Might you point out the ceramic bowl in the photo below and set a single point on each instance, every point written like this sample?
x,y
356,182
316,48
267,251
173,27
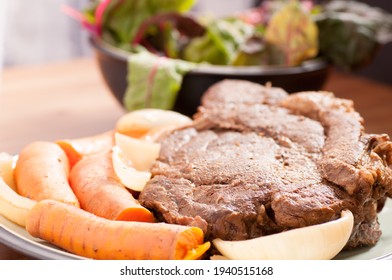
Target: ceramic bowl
x,y
310,75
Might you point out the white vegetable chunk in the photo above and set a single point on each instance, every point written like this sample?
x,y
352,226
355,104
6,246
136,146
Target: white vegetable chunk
x,y
14,206
140,122
141,153
317,242
128,175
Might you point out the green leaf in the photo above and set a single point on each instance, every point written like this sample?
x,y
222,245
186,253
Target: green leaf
x,y
351,33
168,33
220,43
380,19
122,18
154,82
292,30
347,43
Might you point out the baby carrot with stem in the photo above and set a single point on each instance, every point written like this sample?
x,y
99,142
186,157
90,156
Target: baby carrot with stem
x,y
87,235
41,172
100,192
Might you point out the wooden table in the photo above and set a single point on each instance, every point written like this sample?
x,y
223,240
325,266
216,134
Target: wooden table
x,y
69,99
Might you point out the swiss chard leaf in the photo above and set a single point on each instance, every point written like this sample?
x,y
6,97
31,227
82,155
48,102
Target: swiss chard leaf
x,y
220,43
154,82
292,31
168,33
351,33
122,18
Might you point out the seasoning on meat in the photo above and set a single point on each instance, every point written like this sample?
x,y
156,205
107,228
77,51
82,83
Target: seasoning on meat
x,y
257,161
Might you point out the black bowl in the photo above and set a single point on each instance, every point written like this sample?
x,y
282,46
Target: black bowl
x,y
311,75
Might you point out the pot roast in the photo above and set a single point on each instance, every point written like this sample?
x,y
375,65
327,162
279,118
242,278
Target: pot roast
x,y
257,161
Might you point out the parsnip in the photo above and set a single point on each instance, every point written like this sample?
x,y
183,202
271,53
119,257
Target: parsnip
x,y
13,206
320,242
6,169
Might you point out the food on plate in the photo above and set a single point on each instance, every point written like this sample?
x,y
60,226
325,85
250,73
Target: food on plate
x,y
14,206
99,191
130,177
140,152
258,173
144,122
80,147
41,172
6,169
257,161
88,235
132,160
317,242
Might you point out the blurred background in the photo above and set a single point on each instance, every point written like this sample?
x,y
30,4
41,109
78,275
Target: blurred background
x,y
36,32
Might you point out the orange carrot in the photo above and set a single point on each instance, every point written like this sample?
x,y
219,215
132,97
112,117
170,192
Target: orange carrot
x,y
87,235
41,172
79,147
100,192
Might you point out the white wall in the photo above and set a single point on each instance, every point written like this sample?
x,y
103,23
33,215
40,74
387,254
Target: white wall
x,y
223,7
2,30
37,31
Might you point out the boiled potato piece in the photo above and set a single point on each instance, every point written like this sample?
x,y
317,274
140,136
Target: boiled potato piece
x,y
317,242
141,153
140,122
128,175
13,206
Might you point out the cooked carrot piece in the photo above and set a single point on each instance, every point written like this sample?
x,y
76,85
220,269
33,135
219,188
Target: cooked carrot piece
x,y
87,235
79,147
100,192
41,172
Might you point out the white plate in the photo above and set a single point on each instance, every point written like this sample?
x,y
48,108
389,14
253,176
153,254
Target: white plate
x,y
383,248
17,238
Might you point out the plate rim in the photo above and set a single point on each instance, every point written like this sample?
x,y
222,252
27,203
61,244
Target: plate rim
x,y
32,248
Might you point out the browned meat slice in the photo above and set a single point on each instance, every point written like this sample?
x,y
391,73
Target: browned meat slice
x,y
257,161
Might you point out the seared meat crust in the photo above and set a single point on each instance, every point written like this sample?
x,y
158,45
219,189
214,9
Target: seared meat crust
x,y
257,161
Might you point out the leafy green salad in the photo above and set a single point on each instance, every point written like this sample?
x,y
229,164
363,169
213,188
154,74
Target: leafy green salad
x,y
165,39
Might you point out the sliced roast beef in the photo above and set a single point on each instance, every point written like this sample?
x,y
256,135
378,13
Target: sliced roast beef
x,y
257,161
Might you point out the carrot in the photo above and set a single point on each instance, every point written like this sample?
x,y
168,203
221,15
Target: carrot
x,y
100,192
79,147
41,172
87,235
